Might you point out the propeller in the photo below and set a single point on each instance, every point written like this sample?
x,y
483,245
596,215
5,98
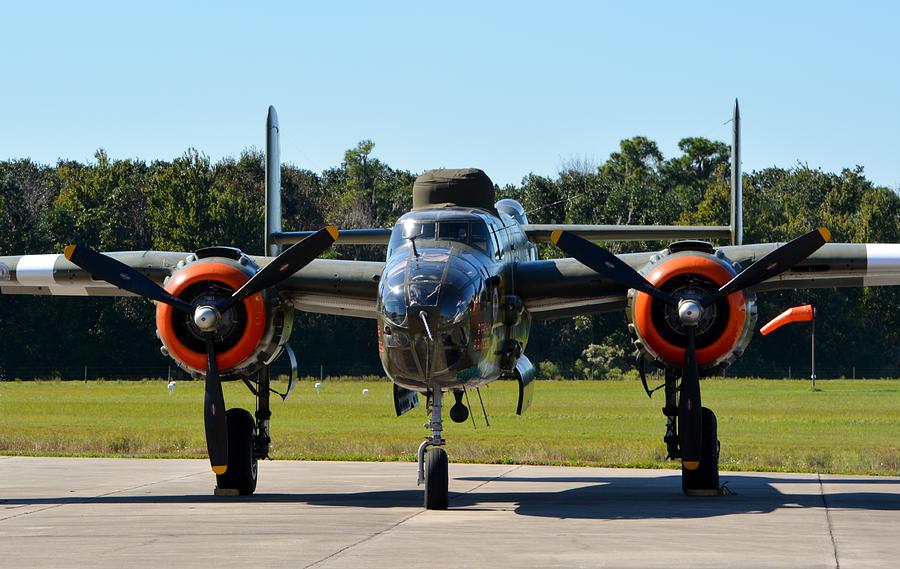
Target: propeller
x,y
690,420
105,268
690,311
206,317
214,411
607,264
284,265
773,264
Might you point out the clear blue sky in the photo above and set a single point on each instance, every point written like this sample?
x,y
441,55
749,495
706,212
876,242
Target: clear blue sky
x,y
511,88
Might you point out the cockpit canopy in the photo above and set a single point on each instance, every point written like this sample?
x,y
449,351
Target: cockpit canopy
x,y
431,228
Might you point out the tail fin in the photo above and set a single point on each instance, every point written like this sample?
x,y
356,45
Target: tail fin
x,y
273,183
737,198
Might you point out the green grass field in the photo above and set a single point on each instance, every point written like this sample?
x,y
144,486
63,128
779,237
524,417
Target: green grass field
x,y
846,427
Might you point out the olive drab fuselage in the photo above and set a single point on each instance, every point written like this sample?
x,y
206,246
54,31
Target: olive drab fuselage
x,y
446,306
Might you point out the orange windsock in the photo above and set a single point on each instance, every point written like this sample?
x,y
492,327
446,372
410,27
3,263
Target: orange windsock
x,y
803,313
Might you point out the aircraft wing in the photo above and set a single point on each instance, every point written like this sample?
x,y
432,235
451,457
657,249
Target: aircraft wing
x,y
326,286
540,233
561,288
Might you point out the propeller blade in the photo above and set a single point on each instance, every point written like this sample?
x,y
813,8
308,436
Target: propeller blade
x,y
773,264
689,415
606,264
214,411
286,264
121,275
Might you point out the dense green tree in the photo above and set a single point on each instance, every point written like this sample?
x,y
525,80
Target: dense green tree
x,y
103,205
191,202
180,200
27,192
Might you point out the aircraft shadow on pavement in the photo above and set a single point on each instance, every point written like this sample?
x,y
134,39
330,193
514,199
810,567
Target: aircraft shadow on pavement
x,y
593,498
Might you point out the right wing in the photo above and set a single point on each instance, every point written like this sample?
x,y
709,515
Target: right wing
x,y
326,286
540,233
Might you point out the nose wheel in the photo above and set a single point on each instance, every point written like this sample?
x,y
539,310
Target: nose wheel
x,y
433,461
436,479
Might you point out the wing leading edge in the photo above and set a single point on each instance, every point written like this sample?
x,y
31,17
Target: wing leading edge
x,y
561,288
325,286
556,288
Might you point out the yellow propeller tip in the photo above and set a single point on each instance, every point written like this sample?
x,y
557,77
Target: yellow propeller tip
x,y
69,250
554,237
220,469
333,231
691,464
826,235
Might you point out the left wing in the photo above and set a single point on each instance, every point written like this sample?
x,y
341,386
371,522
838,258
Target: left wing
x,y
561,288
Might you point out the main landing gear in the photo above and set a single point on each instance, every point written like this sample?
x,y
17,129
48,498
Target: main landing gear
x,y
248,441
704,479
433,462
241,475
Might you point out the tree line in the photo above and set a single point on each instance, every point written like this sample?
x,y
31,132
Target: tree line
x,y
192,202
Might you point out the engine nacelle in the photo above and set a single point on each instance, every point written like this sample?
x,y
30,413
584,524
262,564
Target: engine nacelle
x,y
691,269
250,334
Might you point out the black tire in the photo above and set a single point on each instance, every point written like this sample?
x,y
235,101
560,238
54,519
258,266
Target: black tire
x,y
436,479
704,481
242,466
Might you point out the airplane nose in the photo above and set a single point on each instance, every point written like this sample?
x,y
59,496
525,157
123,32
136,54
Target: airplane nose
x,y
425,305
432,346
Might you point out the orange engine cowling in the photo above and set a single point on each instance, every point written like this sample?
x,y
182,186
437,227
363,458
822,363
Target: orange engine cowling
x,y
251,333
691,270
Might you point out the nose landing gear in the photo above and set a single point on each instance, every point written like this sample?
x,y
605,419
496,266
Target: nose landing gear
x,y
433,462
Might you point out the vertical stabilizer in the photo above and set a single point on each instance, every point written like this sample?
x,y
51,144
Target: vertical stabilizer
x,y
737,198
273,182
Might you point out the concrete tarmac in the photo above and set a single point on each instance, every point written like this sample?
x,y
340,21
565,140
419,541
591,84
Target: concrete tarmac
x,y
77,512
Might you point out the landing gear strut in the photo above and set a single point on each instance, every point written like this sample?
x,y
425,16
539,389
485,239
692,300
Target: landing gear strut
x,y
262,440
704,480
433,461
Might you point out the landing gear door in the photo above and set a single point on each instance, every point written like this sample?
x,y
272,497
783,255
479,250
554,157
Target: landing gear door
x,y
525,376
404,400
292,381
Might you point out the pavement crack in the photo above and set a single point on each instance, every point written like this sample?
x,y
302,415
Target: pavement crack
x,y
361,541
88,499
494,479
369,538
837,561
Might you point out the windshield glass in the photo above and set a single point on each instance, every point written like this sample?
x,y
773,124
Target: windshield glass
x,y
418,229
434,279
472,232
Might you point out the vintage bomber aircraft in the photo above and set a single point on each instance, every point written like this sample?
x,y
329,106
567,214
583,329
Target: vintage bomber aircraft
x,y
453,303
